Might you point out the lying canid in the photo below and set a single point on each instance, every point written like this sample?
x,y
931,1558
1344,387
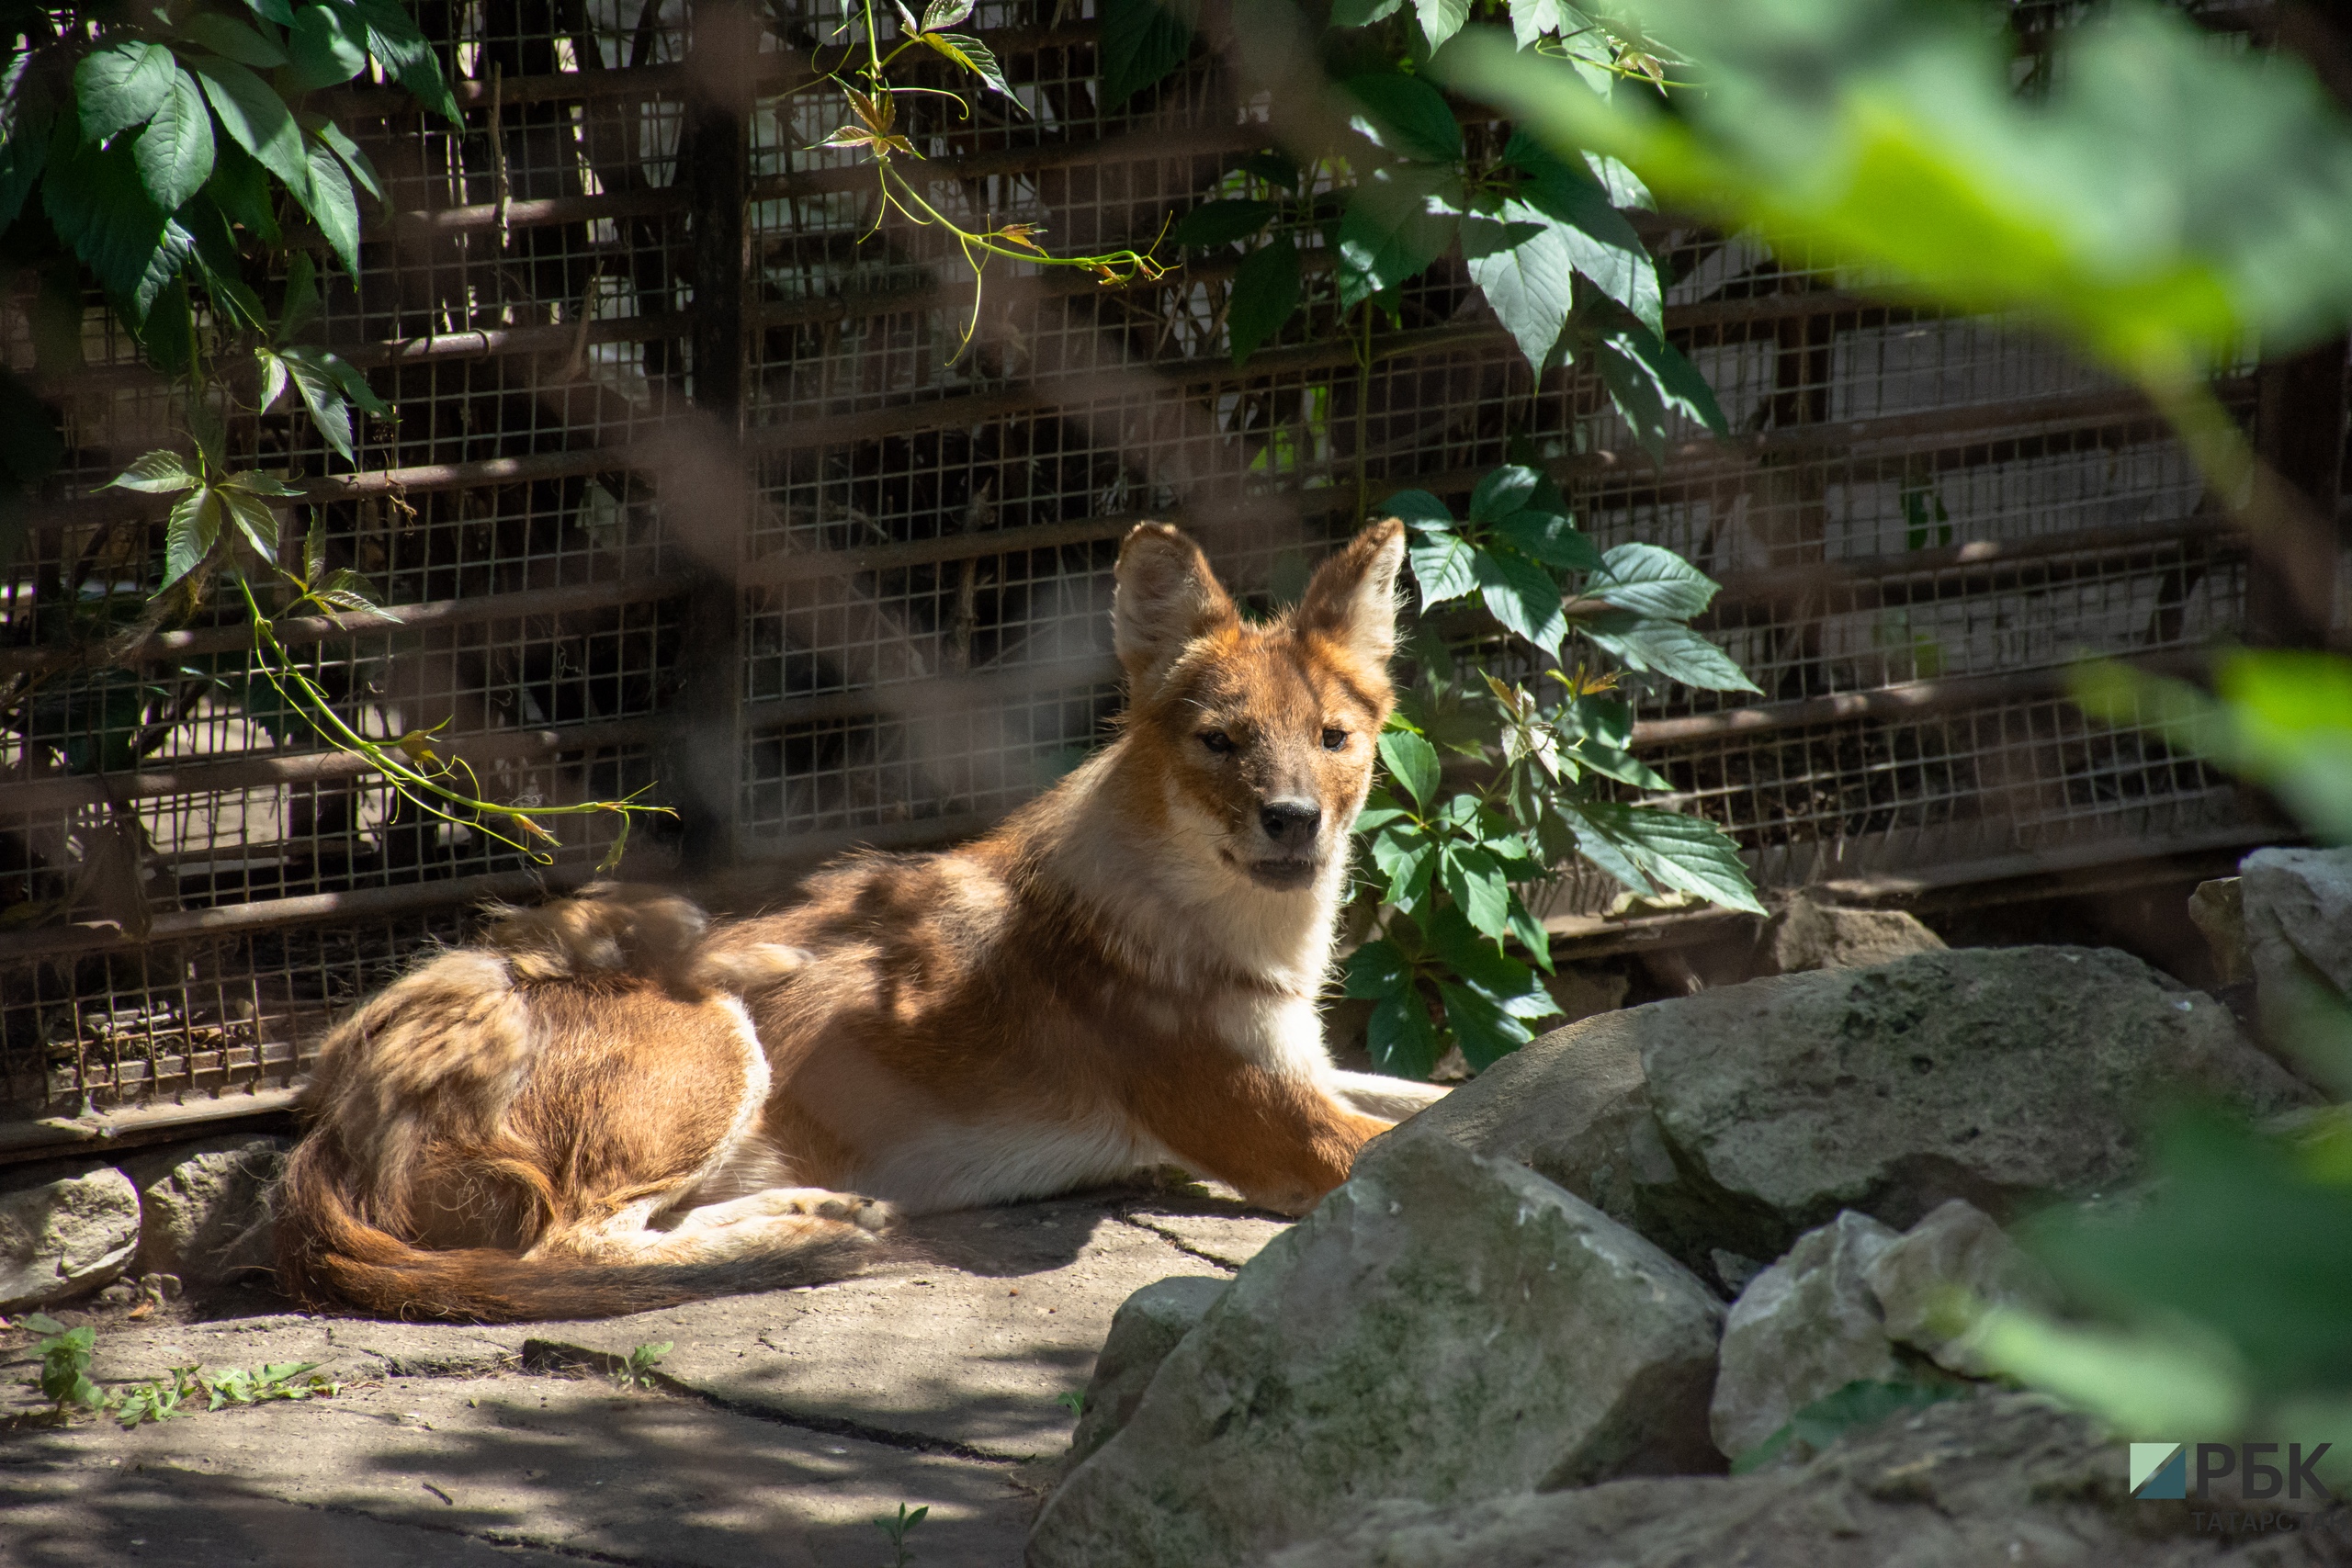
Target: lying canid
x,y
612,1104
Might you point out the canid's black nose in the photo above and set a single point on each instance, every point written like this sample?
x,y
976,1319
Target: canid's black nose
x,y
1290,823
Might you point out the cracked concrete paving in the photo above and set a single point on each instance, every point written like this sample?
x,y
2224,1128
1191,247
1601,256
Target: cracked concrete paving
x,y
783,1423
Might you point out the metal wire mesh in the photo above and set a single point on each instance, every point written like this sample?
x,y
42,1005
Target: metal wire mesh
x,y
888,623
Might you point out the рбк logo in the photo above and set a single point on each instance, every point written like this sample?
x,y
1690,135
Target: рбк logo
x,y
2160,1470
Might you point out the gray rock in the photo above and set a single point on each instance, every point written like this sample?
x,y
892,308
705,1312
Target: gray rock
x,y
1442,1327
64,1236
1956,1249
1805,1328
2009,1077
1572,1106
1148,1325
2298,918
1999,1479
1807,935
204,1207
2218,911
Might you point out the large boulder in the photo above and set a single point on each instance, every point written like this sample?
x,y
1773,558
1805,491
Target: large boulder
x,y
1442,1327
1148,1325
64,1236
1999,1479
1801,1330
205,1207
1571,1106
2008,1077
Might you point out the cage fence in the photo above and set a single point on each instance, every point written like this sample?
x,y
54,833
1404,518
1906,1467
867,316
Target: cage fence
x,y
709,476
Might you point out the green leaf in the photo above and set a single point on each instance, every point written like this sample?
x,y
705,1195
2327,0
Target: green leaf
x,y
1550,538
302,303
1504,491
156,473
175,152
393,38
253,520
240,189
1362,13
261,481
1143,40
1445,565
1595,237
1651,581
188,537
1521,264
362,170
1395,224
257,119
328,45
975,57
1412,762
1265,293
1220,222
1440,19
1378,968
333,205
234,40
117,87
1664,848
1475,881
1531,19
1405,116
1856,1407
1649,380
1524,596
1485,1033
1400,1038
279,11
354,385
320,394
1668,648
1418,508
27,124
99,207
1407,858
274,378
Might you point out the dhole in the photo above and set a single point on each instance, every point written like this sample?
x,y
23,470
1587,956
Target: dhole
x,y
613,1104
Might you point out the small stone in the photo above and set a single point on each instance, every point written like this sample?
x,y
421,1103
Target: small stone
x,y
1808,935
1148,1325
2298,921
2218,911
1956,1252
64,1236
205,1207
1804,1328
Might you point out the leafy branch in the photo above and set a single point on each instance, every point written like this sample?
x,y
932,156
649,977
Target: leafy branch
x,y
1450,863
874,106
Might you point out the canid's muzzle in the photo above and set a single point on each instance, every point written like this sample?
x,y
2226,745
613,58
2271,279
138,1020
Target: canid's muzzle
x,y
1290,852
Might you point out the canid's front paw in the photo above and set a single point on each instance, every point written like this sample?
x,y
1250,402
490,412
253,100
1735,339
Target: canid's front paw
x,y
823,1203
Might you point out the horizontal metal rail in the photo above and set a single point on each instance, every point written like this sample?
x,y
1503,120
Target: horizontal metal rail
x,y
273,770
1909,699
430,615
933,697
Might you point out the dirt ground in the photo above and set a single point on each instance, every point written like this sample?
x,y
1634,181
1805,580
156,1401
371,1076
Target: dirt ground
x,y
777,1429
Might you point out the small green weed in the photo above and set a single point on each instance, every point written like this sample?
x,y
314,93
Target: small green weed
x,y
637,1370
1074,1401
898,1530
66,1382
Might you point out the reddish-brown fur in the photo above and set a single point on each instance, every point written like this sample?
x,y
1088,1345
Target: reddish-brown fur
x,y
611,1105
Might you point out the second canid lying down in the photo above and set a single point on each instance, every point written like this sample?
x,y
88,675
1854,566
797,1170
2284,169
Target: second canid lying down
x,y
612,1105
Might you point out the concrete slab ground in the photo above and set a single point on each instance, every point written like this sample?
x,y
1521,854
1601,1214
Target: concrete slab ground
x,y
777,1428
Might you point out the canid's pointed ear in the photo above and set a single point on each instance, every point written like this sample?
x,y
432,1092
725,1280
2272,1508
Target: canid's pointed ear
x,y
1167,596
1353,599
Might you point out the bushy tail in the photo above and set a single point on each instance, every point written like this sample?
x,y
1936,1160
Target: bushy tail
x,y
329,1257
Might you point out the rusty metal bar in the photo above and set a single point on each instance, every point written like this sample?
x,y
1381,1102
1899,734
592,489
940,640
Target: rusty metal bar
x,y
311,909
429,615
1911,699
270,770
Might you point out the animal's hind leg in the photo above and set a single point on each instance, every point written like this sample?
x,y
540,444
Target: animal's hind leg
x,y
813,1202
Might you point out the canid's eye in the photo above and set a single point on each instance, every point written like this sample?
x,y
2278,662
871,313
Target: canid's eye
x,y
1216,741
1333,739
